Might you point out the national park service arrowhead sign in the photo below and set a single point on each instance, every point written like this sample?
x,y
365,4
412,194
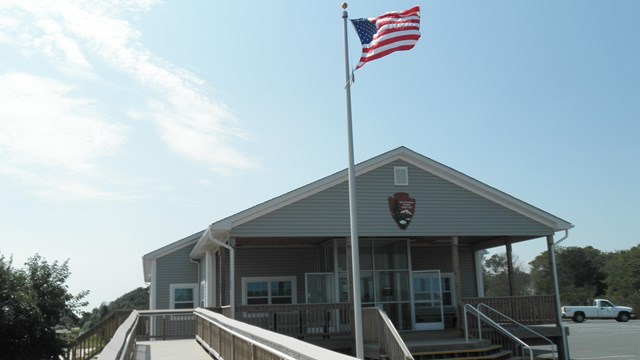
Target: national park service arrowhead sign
x,y
402,209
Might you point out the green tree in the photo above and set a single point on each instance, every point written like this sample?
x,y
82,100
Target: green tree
x,y
581,274
137,299
623,277
34,302
496,277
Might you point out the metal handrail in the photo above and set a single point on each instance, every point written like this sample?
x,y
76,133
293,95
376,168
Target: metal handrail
x,y
496,326
553,348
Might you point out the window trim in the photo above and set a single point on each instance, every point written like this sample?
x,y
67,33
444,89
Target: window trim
x,y
401,175
173,287
269,280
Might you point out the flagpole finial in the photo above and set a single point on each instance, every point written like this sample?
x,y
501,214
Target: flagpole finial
x,y
344,5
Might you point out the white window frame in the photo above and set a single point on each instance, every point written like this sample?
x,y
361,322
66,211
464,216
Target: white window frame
x,y
269,280
173,287
401,175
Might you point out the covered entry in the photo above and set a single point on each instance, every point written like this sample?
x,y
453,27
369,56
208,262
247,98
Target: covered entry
x,y
413,300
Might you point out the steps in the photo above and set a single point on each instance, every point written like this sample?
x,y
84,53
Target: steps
x,y
487,352
484,352
449,344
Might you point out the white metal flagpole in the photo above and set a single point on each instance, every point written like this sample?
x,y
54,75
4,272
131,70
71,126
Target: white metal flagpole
x,y
355,251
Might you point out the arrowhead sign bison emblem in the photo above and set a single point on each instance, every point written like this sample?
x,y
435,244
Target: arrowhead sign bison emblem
x,y
402,209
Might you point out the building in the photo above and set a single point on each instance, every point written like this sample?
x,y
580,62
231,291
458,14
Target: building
x,y
422,229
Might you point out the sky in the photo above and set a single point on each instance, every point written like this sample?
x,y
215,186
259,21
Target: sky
x,y
128,125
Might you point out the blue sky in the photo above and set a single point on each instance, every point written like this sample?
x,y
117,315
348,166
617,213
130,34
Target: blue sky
x,y
127,125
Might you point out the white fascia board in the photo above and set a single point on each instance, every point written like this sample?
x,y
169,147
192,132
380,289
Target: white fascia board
x,y
488,192
309,189
165,250
400,153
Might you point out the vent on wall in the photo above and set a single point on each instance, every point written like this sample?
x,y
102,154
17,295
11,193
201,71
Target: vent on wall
x,y
401,175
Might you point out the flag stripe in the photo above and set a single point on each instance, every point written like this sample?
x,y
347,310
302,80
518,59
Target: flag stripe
x,y
385,51
399,41
388,33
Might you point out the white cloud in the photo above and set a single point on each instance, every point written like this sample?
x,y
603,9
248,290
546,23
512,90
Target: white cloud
x,y
78,38
51,139
42,124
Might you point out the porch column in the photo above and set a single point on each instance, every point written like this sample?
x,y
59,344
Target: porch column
x,y
510,269
563,346
223,276
455,257
551,266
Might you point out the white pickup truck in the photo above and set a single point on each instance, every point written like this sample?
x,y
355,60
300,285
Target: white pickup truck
x,y
601,309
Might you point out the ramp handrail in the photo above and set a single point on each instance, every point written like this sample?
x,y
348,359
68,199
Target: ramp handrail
x,y
468,308
378,328
232,339
121,346
514,322
91,342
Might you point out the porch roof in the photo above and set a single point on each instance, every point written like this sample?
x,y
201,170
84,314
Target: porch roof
x,y
221,229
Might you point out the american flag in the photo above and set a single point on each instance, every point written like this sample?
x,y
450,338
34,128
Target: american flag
x,y
387,33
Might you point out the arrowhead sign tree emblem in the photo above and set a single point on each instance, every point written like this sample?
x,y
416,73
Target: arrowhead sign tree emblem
x,y
402,208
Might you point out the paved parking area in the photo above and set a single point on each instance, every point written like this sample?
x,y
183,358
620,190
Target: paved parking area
x,y
604,340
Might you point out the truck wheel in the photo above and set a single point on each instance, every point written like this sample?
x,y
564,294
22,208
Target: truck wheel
x,y
579,317
623,317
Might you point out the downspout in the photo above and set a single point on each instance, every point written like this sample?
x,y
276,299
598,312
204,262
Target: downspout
x,y
565,348
197,262
232,270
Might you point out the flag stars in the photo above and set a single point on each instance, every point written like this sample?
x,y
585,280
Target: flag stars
x,y
365,29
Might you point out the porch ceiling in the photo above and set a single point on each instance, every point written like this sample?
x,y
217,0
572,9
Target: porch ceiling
x,y
280,242
477,242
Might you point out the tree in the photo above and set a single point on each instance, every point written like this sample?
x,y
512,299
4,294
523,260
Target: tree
x,y
623,277
34,302
581,275
137,299
496,277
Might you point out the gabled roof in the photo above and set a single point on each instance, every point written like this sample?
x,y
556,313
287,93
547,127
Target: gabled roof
x,y
400,153
166,250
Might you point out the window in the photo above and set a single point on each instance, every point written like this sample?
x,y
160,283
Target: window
x,y
265,291
448,291
400,175
183,296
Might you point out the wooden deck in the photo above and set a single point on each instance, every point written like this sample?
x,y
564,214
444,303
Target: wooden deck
x,y
170,349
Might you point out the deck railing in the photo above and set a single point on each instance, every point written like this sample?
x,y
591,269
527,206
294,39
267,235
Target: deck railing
x,y
166,324
91,342
234,340
123,343
527,310
378,329
299,321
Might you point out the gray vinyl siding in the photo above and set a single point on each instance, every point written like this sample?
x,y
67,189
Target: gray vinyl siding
x,y
442,209
440,258
174,268
273,262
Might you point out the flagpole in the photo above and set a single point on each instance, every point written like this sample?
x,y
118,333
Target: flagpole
x,y
355,251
